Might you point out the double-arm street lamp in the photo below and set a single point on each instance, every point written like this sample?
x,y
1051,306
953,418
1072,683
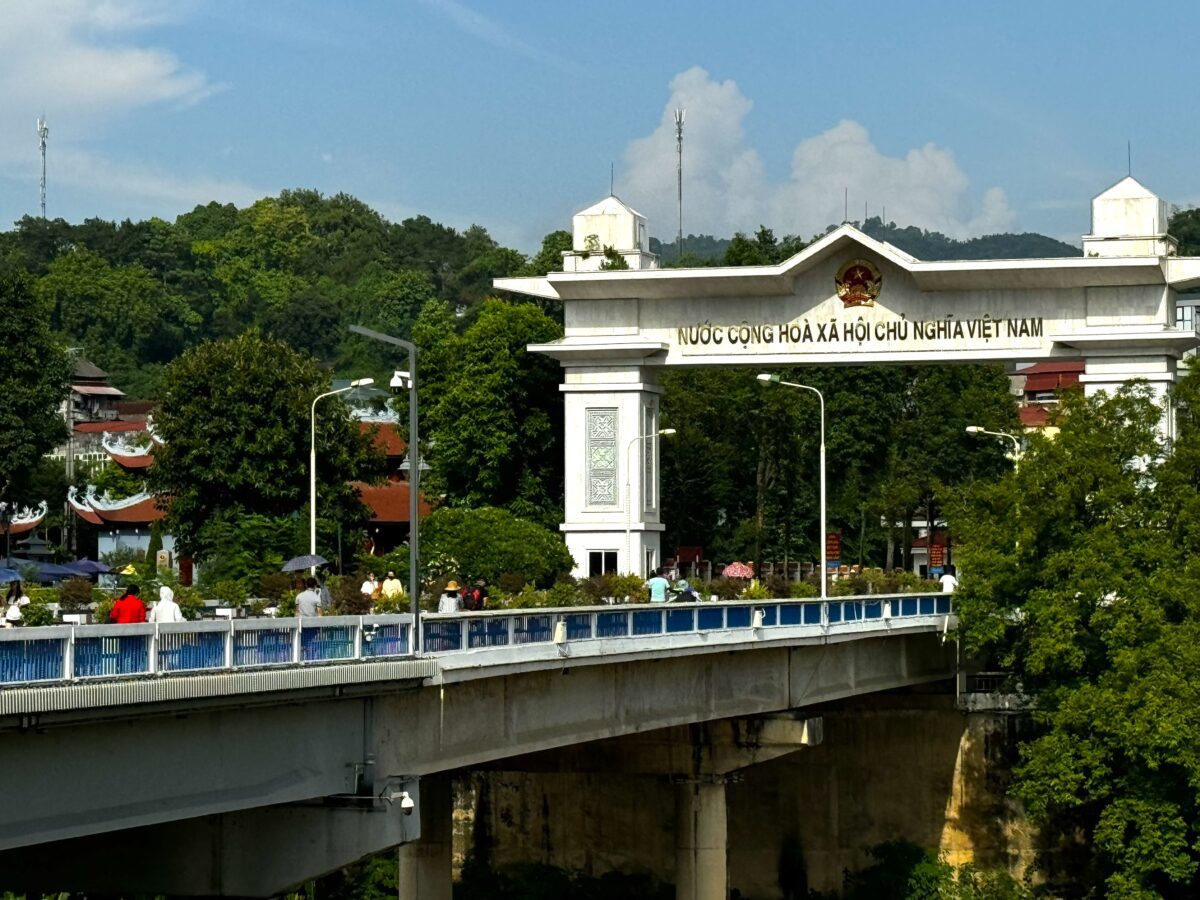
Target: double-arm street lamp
x,y
312,462
767,378
979,429
665,432
400,381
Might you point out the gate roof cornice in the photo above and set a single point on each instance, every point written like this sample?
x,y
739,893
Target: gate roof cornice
x,y
779,280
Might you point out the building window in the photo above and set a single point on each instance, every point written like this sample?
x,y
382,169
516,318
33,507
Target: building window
x,y
1185,318
602,562
602,457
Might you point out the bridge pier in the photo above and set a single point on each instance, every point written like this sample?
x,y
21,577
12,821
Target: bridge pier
x,y
701,841
426,864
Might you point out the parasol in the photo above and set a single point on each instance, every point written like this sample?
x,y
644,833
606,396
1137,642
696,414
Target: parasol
x,y
308,561
738,570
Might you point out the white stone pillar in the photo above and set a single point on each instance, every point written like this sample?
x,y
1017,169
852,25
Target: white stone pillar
x,y
612,506
426,865
701,841
1108,370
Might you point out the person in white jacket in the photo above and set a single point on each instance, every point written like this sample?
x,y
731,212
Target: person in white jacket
x,y
166,609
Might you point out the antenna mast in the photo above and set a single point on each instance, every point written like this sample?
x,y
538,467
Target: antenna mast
x,y
679,114
43,135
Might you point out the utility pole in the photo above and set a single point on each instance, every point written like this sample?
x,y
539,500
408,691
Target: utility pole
x,y
43,135
679,114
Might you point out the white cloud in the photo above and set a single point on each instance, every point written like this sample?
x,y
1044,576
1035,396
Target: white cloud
x,y
726,189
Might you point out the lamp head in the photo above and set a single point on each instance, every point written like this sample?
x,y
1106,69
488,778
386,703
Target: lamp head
x,y
975,429
362,382
667,432
769,377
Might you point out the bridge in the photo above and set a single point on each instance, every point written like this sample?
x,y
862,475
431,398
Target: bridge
x,y
242,757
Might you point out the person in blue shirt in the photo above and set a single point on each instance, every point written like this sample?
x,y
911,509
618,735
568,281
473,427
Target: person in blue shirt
x,y
658,587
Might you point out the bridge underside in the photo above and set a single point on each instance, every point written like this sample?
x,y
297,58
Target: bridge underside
x,y
249,782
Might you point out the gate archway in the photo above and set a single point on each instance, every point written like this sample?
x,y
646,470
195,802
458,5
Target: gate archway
x,y
846,299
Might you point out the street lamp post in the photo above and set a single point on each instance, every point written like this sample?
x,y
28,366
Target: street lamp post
x,y
979,429
312,463
414,472
665,432
767,378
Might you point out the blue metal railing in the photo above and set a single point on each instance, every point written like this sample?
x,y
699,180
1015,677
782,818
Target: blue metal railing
x,y
81,652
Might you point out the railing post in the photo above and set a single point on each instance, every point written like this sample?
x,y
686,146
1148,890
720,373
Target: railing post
x,y
358,639
296,641
462,634
152,656
594,624
511,627
69,656
825,615
229,643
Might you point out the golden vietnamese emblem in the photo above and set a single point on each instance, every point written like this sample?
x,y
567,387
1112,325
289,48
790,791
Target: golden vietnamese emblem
x,y
858,283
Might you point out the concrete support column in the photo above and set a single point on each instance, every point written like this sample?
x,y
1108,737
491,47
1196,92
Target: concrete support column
x,y
701,841
426,865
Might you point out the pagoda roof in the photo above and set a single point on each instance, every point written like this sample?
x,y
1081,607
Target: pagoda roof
x,y
389,502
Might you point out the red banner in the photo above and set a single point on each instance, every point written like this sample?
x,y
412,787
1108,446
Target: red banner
x,y
937,555
833,547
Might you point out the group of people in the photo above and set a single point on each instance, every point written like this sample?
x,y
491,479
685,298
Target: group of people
x,y
471,598
389,589
661,590
129,608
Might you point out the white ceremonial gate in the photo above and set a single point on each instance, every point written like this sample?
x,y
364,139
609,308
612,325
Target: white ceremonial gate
x,y
846,299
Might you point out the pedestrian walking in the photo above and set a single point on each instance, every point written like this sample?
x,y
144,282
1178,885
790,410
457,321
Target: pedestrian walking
x,y
448,603
166,609
308,601
392,588
658,587
129,610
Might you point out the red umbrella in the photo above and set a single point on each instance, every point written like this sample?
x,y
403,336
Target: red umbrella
x,y
738,570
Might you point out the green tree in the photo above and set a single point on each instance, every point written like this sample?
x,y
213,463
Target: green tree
x,y
33,382
496,417
1082,578
234,418
549,258
489,542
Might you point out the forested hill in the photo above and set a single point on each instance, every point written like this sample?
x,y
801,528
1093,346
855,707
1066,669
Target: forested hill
x,y
926,245
302,267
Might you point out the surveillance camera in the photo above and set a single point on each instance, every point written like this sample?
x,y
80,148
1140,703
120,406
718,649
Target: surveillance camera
x,y
406,803
401,381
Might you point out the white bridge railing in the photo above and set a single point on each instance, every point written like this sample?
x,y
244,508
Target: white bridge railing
x,y
70,653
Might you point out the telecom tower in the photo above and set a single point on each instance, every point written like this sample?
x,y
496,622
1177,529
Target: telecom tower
x,y
43,135
679,114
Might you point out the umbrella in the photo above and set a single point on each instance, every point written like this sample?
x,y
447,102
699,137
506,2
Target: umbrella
x,y
87,567
308,561
738,570
9,575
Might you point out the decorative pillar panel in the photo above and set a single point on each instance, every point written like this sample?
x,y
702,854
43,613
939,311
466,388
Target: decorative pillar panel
x,y
611,475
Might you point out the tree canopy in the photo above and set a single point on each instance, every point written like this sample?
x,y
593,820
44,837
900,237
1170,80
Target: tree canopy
x,y
33,382
234,419
1082,578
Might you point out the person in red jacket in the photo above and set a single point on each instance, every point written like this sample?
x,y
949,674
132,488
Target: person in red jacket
x,y
129,609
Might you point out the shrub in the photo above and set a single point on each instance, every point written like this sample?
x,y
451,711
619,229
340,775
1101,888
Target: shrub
x,y
487,543
566,592
511,583
191,604
228,592
102,609
726,588
802,589
346,596
36,613
778,587
74,594
274,585
393,561
756,591
631,588
597,589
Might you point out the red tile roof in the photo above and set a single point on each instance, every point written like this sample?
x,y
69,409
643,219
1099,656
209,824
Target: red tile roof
x,y
143,461
1033,416
387,438
388,502
114,426
145,512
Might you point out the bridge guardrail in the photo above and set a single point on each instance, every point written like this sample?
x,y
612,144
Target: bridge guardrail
x,y
458,632
85,652
82,652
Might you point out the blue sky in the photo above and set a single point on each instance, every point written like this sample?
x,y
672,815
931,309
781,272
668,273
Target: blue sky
x,y
961,117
